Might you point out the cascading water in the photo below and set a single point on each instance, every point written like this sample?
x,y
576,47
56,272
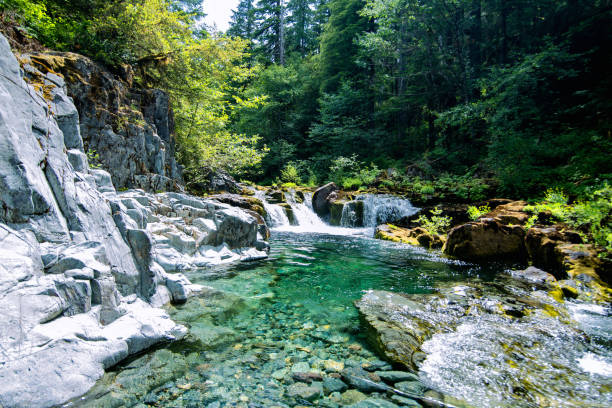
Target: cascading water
x,y
381,209
275,214
303,212
358,217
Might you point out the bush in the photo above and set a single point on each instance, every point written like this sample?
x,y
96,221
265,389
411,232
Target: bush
x,y
476,212
591,215
290,174
436,224
351,174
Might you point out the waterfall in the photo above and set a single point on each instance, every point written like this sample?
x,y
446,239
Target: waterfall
x,y
303,212
382,209
275,214
358,216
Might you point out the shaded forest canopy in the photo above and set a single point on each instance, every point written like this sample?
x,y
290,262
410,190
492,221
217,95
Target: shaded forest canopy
x,y
512,95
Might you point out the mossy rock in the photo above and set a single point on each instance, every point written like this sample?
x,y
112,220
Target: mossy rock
x,y
335,210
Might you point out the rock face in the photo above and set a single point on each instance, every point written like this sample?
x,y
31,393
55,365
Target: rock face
x,y
128,129
322,199
84,267
487,239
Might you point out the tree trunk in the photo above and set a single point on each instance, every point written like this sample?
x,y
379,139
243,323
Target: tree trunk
x,y
281,52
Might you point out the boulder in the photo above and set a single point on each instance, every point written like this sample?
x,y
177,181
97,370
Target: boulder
x,y
543,247
487,239
237,229
322,199
414,236
335,212
246,202
216,181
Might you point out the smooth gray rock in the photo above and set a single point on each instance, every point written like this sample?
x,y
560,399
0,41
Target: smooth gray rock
x,y
78,160
103,180
397,376
237,229
373,403
331,384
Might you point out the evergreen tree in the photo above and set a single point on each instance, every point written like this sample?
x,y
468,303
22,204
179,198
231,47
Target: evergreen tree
x,y
270,32
243,20
339,49
301,38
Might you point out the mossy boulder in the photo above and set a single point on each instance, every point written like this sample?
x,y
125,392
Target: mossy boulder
x,y
335,211
487,239
414,236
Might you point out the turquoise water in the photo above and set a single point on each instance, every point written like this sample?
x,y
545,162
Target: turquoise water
x,y
256,324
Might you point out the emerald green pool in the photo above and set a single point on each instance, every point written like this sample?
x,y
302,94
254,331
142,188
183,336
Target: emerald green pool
x,y
256,322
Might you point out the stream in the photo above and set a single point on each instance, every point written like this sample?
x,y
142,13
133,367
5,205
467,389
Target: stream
x,y
260,328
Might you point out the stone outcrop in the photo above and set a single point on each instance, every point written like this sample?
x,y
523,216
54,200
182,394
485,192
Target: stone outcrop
x,y
83,266
487,239
128,130
322,199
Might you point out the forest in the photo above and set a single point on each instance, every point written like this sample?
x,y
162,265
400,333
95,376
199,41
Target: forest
x,y
461,99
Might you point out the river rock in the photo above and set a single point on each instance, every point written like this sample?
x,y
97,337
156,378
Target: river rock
x,y
331,385
414,236
397,376
485,240
305,391
373,403
322,199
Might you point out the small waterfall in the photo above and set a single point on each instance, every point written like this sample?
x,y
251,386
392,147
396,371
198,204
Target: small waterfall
x,y
275,214
364,213
381,209
303,212
349,217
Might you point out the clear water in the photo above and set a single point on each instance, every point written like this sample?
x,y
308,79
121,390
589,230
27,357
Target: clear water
x,y
257,321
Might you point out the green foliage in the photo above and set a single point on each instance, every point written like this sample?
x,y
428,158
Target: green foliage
x,y
350,173
436,224
94,159
476,212
592,214
290,174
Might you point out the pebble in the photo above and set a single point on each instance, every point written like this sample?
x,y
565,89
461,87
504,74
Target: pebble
x,y
406,402
333,366
300,367
332,385
411,387
352,397
373,403
397,376
305,391
377,365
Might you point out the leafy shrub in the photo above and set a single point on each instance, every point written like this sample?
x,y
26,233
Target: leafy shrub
x,y
93,157
476,212
436,224
350,173
290,174
592,215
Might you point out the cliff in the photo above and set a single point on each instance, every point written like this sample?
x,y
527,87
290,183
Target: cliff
x,y
84,267
127,129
